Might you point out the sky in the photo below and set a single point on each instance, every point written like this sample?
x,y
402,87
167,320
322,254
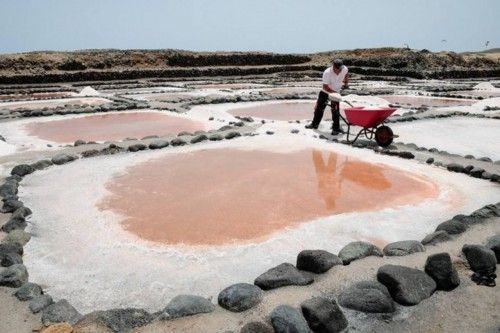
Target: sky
x,y
284,26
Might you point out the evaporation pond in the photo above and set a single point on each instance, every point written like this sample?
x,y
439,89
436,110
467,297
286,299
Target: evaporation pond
x,y
111,126
280,111
218,196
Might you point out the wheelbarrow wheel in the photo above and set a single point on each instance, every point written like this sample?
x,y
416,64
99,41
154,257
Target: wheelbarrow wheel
x,y
384,136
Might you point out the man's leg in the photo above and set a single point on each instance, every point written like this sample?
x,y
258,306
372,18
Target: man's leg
x,y
336,129
319,109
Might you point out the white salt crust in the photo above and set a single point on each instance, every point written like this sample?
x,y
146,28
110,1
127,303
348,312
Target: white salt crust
x,y
81,253
459,135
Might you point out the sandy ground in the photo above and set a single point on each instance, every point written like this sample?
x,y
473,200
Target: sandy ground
x,y
469,308
15,317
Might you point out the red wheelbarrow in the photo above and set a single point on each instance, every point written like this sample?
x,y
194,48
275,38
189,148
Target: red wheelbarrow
x,y
372,122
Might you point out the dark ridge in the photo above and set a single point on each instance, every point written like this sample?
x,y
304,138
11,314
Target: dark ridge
x,y
239,59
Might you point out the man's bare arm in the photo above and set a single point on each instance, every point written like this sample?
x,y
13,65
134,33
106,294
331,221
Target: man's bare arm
x,y
346,81
327,88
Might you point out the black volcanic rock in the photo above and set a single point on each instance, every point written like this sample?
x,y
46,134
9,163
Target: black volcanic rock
x,y
158,144
367,296
480,258
493,243
436,238
28,291
286,319
452,227
60,312
317,261
282,275
439,267
323,315
407,286
187,305
358,250
137,147
14,276
22,170
240,297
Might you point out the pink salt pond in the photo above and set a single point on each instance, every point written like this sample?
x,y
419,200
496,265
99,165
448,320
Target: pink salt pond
x,y
218,196
281,111
111,126
417,101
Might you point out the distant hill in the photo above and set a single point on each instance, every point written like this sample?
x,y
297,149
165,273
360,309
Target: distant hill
x,y
495,50
112,64
488,51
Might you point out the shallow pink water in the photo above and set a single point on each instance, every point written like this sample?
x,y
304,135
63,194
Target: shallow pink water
x,y
113,126
281,111
217,196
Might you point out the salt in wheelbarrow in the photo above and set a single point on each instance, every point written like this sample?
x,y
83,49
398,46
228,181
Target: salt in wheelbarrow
x,y
372,122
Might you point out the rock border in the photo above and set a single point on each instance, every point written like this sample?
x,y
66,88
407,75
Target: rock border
x,y
117,104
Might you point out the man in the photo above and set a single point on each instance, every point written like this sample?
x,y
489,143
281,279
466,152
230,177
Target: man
x,y
335,78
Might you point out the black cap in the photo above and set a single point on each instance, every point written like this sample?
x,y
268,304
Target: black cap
x,y
338,63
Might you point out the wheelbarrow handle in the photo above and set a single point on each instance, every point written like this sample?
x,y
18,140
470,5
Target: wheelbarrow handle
x,y
336,97
348,104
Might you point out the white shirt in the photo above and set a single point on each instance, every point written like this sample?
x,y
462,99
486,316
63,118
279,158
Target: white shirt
x,y
334,81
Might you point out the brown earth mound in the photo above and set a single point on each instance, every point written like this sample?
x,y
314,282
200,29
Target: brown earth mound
x,y
48,66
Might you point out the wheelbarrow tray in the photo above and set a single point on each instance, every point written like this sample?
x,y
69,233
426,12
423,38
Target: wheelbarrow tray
x,y
370,119
366,117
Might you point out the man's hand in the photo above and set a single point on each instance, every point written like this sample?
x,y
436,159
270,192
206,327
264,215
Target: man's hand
x,y
334,97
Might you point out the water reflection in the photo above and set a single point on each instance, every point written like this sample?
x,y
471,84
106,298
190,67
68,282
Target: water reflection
x,y
336,169
328,177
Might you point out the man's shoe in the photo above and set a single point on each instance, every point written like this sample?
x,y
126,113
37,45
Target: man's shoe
x,y
311,126
337,131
